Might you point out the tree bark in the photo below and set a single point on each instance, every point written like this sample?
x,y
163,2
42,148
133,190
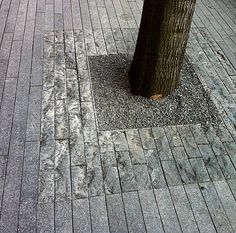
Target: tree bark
x,y
161,45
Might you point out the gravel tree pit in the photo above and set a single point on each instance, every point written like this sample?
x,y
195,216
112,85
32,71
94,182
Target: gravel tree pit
x,y
117,108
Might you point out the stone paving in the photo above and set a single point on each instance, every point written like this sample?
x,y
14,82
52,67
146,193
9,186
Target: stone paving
x,y
59,173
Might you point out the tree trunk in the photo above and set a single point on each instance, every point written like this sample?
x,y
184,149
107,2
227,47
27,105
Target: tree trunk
x,y
160,49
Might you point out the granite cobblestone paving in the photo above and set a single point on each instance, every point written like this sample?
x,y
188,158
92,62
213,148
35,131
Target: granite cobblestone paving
x,y
60,173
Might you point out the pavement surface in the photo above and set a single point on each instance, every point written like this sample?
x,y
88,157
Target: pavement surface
x,y
59,173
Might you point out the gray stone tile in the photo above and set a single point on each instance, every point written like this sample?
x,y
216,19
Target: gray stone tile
x,y
198,134
69,41
171,173
6,114
173,136
85,91
61,120
62,171
142,176
167,211
232,185
188,141
155,169
120,141
34,114
126,172
119,40
94,170
99,42
185,170
63,216
137,157
79,182
37,62
109,40
89,42
133,139
199,170
147,139
98,210
215,143
81,216
110,172
133,212
199,209
20,22
211,163
223,133
162,144
6,46
227,200
3,164
79,42
231,148
45,217
227,167
215,207
105,141
183,209
116,214
150,212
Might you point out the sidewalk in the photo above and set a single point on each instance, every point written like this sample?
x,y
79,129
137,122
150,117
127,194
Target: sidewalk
x,y
60,173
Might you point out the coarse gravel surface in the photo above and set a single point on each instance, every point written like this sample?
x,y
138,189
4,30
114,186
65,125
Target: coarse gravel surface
x,y
117,108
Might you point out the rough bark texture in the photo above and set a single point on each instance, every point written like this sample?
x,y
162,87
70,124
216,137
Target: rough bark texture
x,y
160,48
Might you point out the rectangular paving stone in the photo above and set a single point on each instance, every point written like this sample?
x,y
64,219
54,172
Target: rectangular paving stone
x,y
99,219
199,208
34,114
223,133
227,167
231,148
29,189
85,91
37,62
126,172
167,211
76,18
105,141
99,42
171,173
14,60
142,176
45,217
133,212
81,216
183,209
89,42
116,214
137,157
215,207
6,114
63,216
210,162
5,47
150,212
199,170
94,170
119,140
227,200
109,40
49,19
155,169
162,144
69,41
110,172
20,22
3,164
62,171
79,182
232,185
173,136
188,141
133,139
198,134
60,81
88,122
147,139
185,170
61,120
129,41
119,40
216,144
